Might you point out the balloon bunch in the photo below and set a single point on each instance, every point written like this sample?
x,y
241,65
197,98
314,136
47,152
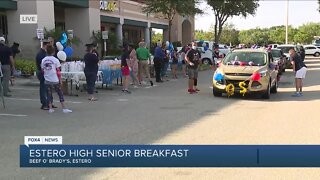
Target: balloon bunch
x,y
230,90
204,45
218,77
230,87
169,46
64,50
243,90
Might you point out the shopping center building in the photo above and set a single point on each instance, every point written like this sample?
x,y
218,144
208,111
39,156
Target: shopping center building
x,y
124,18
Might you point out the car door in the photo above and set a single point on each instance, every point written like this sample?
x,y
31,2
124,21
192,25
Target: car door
x,y
310,50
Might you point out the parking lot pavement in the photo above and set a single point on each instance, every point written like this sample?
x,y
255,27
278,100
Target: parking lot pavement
x,y
166,114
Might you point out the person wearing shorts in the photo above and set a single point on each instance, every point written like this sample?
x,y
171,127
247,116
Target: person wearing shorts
x,y
192,59
125,68
300,70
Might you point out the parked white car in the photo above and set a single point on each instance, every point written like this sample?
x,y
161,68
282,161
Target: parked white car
x,y
223,50
312,50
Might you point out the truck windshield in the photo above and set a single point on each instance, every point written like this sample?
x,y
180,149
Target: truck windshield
x,y
248,58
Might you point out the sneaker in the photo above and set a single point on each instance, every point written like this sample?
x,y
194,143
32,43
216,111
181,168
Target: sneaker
x,y
301,93
151,83
297,94
45,108
67,111
51,110
196,89
191,91
126,91
134,86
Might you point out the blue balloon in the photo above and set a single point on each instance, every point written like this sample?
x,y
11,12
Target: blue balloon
x,y
69,51
171,47
218,77
201,42
64,39
205,48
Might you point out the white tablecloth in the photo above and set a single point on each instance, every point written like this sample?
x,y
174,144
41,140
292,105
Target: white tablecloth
x,y
80,76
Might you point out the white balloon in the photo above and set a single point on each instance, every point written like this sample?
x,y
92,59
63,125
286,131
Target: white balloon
x,y
167,43
204,44
59,46
62,56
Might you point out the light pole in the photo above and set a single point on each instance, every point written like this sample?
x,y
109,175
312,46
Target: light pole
x,y
287,21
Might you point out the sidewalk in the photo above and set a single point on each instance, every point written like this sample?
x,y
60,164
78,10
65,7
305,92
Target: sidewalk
x,y
26,81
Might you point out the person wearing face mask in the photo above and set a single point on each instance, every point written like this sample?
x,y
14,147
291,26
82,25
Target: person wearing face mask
x,y
193,60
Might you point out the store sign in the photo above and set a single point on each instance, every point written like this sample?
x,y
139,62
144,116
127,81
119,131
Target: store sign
x,y
108,5
105,35
40,34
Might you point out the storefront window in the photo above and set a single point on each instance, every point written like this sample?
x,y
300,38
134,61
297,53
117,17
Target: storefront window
x,y
3,25
60,26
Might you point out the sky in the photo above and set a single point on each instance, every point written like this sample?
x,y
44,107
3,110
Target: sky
x,y
269,13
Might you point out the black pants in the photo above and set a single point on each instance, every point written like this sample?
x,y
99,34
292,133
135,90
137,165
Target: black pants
x,y
91,78
157,68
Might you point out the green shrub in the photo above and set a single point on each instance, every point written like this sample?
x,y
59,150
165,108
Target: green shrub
x,y
25,66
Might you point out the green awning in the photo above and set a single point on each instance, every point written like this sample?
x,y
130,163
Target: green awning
x,y
73,3
135,23
109,19
8,5
159,26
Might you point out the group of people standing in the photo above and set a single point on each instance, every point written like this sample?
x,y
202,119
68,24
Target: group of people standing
x,y
135,63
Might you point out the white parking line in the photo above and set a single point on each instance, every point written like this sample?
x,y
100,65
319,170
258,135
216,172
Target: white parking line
x,y
28,89
23,99
148,87
15,115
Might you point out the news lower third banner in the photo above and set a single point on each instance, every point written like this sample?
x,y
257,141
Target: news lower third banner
x,y
169,155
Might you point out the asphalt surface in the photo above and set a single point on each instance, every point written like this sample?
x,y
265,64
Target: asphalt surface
x,y
164,114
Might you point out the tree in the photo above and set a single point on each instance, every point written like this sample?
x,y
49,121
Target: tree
x,y
156,37
229,34
203,35
225,9
169,8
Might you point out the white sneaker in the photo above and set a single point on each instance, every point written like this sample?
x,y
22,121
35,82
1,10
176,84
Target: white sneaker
x,y
135,86
67,111
51,110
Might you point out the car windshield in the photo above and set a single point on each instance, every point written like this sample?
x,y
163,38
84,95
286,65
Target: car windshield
x,y
285,49
276,53
246,58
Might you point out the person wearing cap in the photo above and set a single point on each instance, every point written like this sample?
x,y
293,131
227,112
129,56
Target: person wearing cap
x,y
91,61
125,68
50,66
7,64
42,89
